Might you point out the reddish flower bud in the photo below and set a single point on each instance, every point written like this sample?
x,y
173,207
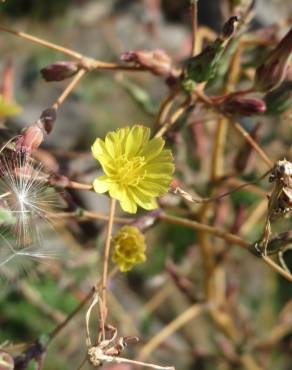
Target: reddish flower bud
x,y
60,71
271,73
31,138
237,104
156,61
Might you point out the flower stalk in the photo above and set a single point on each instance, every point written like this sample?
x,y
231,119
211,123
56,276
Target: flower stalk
x,y
103,300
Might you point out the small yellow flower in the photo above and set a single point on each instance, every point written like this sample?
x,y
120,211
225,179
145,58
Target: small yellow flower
x,y
137,169
129,248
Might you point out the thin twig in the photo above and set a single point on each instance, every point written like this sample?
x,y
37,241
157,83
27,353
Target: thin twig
x,y
277,268
103,295
60,327
205,99
42,42
91,63
79,186
84,215
69,88
166,106
231,238
194,14
174,117
123,360
189,314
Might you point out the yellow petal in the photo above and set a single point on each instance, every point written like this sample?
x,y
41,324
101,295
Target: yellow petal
x,y
124,267
161,168
165,156
141,258
144,200
137,137
99,149
112,144
152,149
116,191
122,135
100,185
154,189
128,204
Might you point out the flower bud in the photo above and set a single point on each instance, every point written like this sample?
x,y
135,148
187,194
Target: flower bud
x,y
48,118
60,71
31,138
280,99
156,61
129,248
239,105
271,73
203,66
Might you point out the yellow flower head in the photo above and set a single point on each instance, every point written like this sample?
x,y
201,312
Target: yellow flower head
x,y
137,169
129,248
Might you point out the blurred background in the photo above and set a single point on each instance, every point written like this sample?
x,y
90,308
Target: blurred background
x,y
36,297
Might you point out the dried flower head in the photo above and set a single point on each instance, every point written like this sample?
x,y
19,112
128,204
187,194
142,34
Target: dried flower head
x,y
129,248
25,194
137,169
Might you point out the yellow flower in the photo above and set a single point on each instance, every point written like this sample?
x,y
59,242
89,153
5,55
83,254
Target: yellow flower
x,y
129,248
137,169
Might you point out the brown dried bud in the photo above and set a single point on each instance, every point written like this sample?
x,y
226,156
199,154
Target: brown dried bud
x,y
31,138
156,61
271,73
229,27
237,104
60,71
48,118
